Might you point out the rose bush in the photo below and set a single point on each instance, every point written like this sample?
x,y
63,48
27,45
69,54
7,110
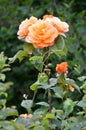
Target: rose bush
x,y
44,38
52,106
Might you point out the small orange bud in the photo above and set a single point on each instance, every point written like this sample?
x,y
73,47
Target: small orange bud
x,y
29,116
71,88
62,67
26,116
23,115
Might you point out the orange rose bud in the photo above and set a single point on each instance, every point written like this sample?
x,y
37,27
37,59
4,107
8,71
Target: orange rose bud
x,y
62,67
71,88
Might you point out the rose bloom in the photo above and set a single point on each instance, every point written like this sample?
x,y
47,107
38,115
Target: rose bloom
x,y
61,27
24,26
62,67
42,34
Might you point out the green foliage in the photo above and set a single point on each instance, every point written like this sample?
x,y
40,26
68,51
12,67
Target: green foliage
x,y
48,112
20,55
5,112
37,62
27,104
59,47
68,106
49,99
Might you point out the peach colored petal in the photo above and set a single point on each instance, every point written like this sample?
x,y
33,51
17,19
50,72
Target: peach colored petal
x,y
24,26
47,16
42,34
61,27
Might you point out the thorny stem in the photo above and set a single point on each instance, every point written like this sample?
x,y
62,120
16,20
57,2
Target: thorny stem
x,y
49,99
34,95
45,57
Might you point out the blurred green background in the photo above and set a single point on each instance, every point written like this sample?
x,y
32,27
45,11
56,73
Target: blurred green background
x,y
12,12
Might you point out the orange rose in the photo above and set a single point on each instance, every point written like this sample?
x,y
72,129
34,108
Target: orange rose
x,y
61,27
42,34
62,67
24,26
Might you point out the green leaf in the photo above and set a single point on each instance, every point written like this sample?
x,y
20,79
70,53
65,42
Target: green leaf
x,y
37,61
5,69
40,128
56,89
53,126
28,48
42,77
45,123
76,128
2,115
23,121
5,86
2,77
82,103
52,81
68,106
43,104
2,102
83,86
40,111
10,125
27,104
20,55
72,82
58,92
2,60
44,86
84,98
35,58
4,94
5,125
82,78
11,112
59,43
50,116
61,52
2,87
8,84
59,113
34,86
59,46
